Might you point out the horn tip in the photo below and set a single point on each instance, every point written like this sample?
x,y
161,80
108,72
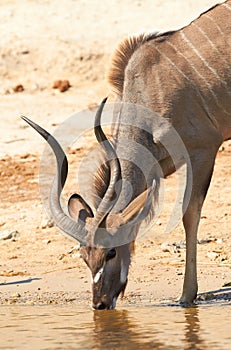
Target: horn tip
x,y
25,119
104,100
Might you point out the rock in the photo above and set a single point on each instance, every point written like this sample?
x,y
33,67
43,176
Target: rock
x,y
166,247
46,223
25,155
61,256
74,249
62,85
18,88
206,240
4,235
46,241
180,245
16,295
212,255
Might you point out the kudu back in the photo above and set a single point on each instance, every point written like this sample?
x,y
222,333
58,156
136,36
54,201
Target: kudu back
x,y
182,76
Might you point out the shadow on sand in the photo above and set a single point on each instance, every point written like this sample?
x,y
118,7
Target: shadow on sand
x,y
28,280
215,295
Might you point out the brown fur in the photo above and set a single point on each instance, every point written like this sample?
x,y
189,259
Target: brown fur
x,y
123,54
120,60
100,183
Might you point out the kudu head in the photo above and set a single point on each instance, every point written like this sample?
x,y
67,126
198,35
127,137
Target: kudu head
x,y
106,238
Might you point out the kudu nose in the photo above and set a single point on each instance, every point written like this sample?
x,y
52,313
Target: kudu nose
x,y
99,306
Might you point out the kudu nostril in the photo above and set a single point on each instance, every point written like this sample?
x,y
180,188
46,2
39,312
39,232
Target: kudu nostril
x,y
99,306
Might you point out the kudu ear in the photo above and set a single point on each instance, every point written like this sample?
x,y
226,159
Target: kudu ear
x,y
135,206
128,213
78,208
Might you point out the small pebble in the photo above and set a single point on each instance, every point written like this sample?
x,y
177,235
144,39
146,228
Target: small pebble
x,y
16,295
18,88
212,255
46,223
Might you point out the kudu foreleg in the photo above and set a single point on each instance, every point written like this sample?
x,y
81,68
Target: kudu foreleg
x,y
202,173
191,222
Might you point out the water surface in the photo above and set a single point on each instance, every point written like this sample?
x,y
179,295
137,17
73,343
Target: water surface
x,y
136,327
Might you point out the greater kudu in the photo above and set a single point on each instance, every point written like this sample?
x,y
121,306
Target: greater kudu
x,y
184,77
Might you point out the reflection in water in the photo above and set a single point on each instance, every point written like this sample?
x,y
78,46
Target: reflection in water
x,y
137,327
192,330
117,329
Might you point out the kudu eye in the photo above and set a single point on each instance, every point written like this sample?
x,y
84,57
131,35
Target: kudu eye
x,y
111,254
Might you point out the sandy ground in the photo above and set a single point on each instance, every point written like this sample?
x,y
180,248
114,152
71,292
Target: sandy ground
x,y
43,41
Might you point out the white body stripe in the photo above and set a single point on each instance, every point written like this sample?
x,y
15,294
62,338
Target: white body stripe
x,y
192,82
214,23
210,42
205,81
202,58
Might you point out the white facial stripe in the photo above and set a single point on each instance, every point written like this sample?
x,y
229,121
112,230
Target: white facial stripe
x,y
98,275
123,272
